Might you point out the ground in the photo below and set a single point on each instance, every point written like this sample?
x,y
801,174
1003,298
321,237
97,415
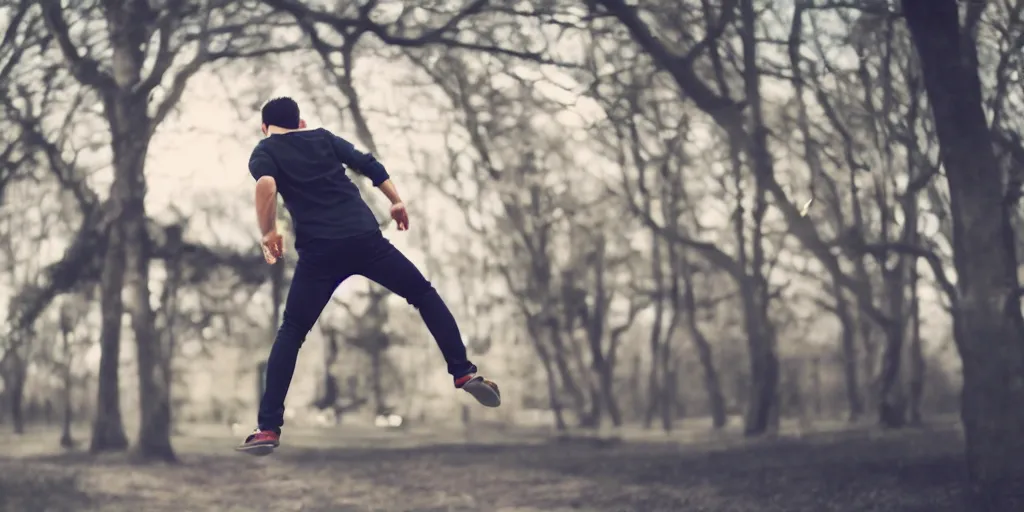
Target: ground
x,y
346,470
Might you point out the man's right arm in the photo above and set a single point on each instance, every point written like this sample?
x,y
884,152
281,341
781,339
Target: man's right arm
x,y
368,166
364,163
389,190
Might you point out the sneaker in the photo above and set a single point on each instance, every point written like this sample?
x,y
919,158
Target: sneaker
x,y
260,442
485,391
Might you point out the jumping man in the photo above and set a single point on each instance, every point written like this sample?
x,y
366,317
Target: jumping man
x,y
336,236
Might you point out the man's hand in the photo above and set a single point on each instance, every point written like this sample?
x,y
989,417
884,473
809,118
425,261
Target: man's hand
x,y
400,215
273,246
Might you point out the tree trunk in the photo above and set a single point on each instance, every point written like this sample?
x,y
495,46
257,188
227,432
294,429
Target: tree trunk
x,y
865,326
129,124
534,331
792,400
866,331
261,379
668,384
154,440
712,383
892,400
329,396
654,397
107,427
917,362
595,413
636,395
764,363
848,333
654,392
607,386
561,364
15,383
915,355
669,398
66,441
819,402
764,368
989,327
376,383
553,401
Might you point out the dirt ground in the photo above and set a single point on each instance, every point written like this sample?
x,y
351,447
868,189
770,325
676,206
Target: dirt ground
x,y
342,471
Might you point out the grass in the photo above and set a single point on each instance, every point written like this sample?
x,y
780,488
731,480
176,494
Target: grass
x,y
363,470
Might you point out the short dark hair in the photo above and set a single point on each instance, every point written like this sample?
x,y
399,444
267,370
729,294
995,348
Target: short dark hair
x,y
283,112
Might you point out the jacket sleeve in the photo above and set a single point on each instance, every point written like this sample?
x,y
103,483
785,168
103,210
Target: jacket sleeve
x,y
260,164
364,163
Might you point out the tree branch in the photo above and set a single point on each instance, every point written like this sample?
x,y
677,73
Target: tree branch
x,y
438,36
680,69
164,53
203,57
84,68
881,250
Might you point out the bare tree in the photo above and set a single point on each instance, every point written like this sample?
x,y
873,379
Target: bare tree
x,y
987,311
72,312
118,76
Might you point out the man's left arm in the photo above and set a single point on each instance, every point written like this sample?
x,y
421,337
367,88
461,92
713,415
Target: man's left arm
x,y
264,170
266,204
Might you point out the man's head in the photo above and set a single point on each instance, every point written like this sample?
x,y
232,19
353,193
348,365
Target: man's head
x,y
282,112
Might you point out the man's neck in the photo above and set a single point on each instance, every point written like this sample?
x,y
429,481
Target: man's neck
x,y
275,130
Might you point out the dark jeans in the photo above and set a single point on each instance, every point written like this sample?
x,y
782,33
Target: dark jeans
x,y
322,266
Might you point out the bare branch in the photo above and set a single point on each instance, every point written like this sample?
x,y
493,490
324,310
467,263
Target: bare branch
x,y
203,57
86,69
881,250
443,35
164,53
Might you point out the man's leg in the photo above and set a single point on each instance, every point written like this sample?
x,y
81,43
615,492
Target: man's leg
x,y
312,286
384,264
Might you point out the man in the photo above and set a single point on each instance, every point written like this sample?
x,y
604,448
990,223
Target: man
x,y
337,236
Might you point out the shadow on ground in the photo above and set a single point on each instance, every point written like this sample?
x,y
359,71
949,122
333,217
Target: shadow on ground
x,y
913,471
39,489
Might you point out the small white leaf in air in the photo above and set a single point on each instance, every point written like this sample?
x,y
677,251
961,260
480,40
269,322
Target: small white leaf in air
x,y
806,207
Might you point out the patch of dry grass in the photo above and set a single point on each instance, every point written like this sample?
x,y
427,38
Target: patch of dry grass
x,y
349,471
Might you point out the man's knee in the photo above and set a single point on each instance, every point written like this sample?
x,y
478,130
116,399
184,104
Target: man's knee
x,y
293,330
421,293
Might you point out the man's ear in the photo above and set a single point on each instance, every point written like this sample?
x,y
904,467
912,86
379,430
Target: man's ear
x,y
263,128
302,124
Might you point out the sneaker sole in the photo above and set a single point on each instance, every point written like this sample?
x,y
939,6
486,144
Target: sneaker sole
x,y
258,450
483,393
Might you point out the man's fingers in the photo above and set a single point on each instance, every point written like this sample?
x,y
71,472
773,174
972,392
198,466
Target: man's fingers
x,y
274,247
272,250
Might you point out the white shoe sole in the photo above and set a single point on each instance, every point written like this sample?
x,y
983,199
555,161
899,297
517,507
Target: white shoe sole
x,y
258,450
486,395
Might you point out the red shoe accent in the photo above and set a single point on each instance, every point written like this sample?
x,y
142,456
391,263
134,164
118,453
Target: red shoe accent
x,y
260,442
461,381
263,437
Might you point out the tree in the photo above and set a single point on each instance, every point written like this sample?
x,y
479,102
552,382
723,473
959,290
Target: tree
x,y
989,328
126,89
